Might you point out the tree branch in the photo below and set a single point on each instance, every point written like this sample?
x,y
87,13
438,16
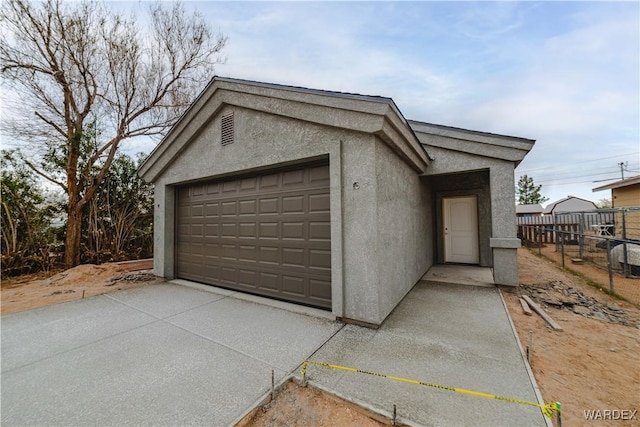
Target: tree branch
x,y
44,175
52,124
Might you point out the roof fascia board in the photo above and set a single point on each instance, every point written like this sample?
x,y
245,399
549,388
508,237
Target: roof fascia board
x,y
402,142
471,135
619,184
183,122
512,154
347,101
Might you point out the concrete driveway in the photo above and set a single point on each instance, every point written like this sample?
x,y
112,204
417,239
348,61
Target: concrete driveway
x,y
170,354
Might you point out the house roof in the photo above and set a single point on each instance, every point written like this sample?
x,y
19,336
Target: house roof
x,y
618,184
552,206
364,113
525,209
493,145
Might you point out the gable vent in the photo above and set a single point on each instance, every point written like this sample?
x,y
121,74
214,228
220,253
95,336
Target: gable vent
x,y
227,129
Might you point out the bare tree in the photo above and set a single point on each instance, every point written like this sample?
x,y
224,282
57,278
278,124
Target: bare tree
x,y
87,78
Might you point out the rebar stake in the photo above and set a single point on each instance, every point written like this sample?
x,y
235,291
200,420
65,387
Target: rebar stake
x,y
394,414
530,347
558,406
304,374
83,294
272,384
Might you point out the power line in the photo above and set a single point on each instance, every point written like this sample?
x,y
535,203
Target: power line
x,y
550,179
608,169
574,177
579,163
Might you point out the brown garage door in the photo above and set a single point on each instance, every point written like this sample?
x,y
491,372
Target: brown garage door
x,y
266,234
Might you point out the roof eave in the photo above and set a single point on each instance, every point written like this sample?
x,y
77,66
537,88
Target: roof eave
x,y
374,115
502,147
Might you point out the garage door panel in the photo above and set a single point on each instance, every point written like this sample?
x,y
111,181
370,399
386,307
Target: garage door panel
x,y
293,230
247,278
268,281
210,270
197,190
293,285
247,207
247,230
319,203
269,254
213,188
229,229
197,230
293,178
269,182
320,230
212,209
293,204
269,230
319,259
267,234
229,187
293,257
228,252
248,253
228,275
230,208
320,289
268,206
248,184
197,211
211,231
319,175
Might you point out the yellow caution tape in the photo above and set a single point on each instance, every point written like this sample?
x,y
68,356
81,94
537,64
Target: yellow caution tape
x,y
549,409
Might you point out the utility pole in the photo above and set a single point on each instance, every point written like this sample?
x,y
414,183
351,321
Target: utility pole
x,y
622,166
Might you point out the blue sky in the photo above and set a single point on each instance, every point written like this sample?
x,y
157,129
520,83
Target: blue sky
x,y
563,73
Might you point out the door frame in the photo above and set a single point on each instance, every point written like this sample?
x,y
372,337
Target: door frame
x,y
475,256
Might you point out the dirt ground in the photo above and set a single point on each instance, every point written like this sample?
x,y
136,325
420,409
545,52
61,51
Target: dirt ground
x,y
593,364
38,290
297,406
629,288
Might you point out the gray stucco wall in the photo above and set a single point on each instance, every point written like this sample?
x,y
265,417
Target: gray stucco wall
x,y
359,218
404,229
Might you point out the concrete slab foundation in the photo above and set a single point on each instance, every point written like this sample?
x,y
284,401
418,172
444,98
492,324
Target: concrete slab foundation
x,y
169,354
459,274
453,335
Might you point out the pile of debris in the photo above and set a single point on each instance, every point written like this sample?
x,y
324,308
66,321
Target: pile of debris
x,y
133,276
557,294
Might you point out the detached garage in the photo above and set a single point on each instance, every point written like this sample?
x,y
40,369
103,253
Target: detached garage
x,y
327,199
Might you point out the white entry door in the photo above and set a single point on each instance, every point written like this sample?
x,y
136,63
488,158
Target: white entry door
x,y
461,229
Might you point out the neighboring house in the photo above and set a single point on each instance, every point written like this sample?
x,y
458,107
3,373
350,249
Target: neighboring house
x,y
327,199
529,210
569,204
624,193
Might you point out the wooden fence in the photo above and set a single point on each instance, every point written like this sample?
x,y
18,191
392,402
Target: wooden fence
x,y
543,229
547,233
